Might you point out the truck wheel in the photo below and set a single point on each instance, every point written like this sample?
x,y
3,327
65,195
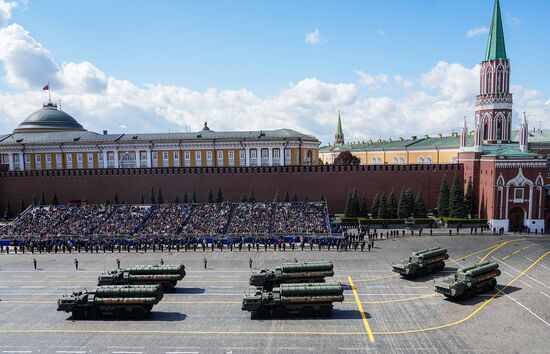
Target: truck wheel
x,y
94,314
307,311
78,314
121,314
441,266
279,312
492,284
138,313
166,287
262,313
325,311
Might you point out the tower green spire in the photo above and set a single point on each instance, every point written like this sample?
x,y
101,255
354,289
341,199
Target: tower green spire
x,y
339,126
496,48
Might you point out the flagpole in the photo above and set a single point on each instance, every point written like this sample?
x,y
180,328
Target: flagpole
x,y
49,93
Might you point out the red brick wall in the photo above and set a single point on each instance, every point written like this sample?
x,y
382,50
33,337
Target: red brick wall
x,y
333,182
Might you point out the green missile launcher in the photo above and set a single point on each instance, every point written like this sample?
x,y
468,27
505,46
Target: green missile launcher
x,y
121,301
422,262
294,299
166,276
304,272
469,281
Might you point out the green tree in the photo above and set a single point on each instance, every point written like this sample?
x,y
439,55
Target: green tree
x,y
54,199
406,204
322,198
244,198
141,200
470,201
295,198
152,198
210,196
392,205
7,212
364,209
42,199
107,201
383,207
287,197
177,200
375,206
219,197
251,198
443,200
160,198
21,207
353,206
456,199
185,198
194,197
276,198
115,199
34,200
419,206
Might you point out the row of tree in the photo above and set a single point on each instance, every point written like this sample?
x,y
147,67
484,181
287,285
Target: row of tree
x,y
453,203
386,207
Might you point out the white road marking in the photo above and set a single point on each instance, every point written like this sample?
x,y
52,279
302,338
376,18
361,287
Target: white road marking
x,y
71,352
33,287
182,352
221,287
21,276
531,312
127,352
528,276
548,296
292,348
16,351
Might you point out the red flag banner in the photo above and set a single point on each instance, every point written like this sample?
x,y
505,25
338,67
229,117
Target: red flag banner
x,y
46,88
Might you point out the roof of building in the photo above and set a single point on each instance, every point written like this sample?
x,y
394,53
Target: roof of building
x,y
68,137
49,118
339,126
496,48
511,152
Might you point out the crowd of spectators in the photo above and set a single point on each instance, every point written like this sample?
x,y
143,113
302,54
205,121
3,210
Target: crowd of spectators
x,y
189,219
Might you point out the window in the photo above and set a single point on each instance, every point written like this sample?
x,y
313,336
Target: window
x,y
220,155
48,158
209,155
518,195
395,160
454,159
100,156
421,160
288,154
187,155
176,155
428,160
69,158
401,161
165,155
197,155
90,160
155,156
276,153
231,154
37,159
242,155
143,155
265,153
253,154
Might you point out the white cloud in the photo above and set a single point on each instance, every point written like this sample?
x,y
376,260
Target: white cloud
x,y
437,104
512,20
6,7
314,37
477,32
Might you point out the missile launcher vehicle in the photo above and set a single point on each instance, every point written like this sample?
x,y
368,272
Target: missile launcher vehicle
x,y
291,299
166,276
422,262
469,281
121,301
304,272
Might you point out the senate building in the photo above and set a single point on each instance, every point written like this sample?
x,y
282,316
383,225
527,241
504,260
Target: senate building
x,y
51,139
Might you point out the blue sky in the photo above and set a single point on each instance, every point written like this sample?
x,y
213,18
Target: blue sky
x,y
260,48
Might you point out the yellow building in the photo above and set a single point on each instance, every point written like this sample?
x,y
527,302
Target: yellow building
x,y
50,139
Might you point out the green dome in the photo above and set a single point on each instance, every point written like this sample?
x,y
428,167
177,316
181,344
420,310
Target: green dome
x,y
49,118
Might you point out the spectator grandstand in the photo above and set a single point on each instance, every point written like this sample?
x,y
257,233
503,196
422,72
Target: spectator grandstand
x,y
171,220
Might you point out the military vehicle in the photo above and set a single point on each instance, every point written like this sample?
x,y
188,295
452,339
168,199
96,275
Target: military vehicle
x,y
422,262
121,301
290,299
469,281
166,276
304,272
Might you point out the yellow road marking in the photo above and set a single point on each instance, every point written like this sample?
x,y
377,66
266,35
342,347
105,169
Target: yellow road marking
x,y
479,308
496,248
515,252
360,307
473,254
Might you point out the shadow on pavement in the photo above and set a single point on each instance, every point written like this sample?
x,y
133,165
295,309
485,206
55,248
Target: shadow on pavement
x,y
187,291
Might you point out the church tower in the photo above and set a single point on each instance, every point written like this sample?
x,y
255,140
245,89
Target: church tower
x,y
494,103
339,136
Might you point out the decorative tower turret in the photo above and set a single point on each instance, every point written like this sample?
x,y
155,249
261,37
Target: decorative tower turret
x,y
339,136
494,102
464,136
523,134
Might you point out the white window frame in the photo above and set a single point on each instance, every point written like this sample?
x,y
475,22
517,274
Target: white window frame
x,y
231,155
519,195
209,155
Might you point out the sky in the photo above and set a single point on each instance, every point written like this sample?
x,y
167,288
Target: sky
x,y
392,68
